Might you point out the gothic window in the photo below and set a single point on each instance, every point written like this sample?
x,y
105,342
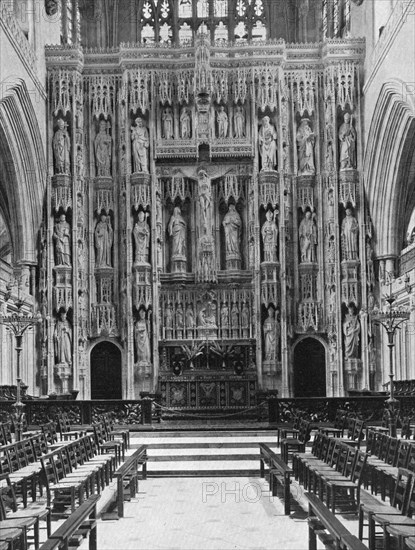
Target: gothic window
x,y
156,20
5,241
213,17
202,9
221,32
185,9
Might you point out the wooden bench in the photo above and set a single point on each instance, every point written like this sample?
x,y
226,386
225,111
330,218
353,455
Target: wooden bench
x,y
127,476
324,525
278,472
78,525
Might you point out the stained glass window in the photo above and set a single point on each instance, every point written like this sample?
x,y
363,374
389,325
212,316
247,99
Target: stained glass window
x,y
157,20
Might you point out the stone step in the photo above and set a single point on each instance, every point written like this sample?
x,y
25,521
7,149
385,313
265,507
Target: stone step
x,y
216,432
201,457
206,464
193,448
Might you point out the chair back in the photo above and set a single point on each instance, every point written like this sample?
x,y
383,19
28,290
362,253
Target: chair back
x,y
402,488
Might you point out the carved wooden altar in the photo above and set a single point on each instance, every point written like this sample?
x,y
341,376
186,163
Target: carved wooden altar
x,y
206,189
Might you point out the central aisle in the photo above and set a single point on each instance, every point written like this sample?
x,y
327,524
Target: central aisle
x,y
204,514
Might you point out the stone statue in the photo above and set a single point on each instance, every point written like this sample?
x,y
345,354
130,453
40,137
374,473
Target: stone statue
x,y
167,117
235,320
269,234
222,118
190,320
308,238
179,321
168,320
62,148
205,199
232,224
62,339
140,145
141,233
349,234
185,127
239,122
62,238
347,138
177,231
351,331
267,144
245,320
142,339
103,149
103,241
270,336
305,140
224,316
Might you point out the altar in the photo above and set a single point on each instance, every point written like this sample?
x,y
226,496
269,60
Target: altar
x,y
208,391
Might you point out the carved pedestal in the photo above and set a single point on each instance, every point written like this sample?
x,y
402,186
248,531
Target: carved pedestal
x,y
233,262
61,192
63,371
352,368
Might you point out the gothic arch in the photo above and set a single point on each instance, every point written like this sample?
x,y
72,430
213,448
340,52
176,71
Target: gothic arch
x,y
22,171
390,167
305,374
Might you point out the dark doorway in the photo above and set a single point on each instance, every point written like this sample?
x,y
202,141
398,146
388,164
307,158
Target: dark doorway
x,y
106,371
309,369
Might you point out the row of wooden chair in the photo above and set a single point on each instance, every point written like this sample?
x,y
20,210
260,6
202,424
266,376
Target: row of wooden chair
x,y
74,471
333,470
386,455
401,507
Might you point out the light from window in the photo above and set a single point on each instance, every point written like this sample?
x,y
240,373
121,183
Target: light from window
x,y
165,33
221,32
259,32
221,8
147,34
185,8
240,31
202,8
185,33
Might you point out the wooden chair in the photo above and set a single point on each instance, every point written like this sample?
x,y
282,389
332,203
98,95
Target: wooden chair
x,y
396,526
348,488
296,444
398,503
12,516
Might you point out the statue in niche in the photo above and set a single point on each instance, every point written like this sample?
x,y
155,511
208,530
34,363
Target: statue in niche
x,y
62,239
141,233
306,139
349,234
232,224
224,318
245,321
167,117
207,314
351,331
103,149
62,339
329,139
140,145
271,335
103,241
347,138
308,238
239,122
235,320
205,199
142,339
62,148
179,321
177,231
269,234
222,119
168,320
185,125
267,144
190,321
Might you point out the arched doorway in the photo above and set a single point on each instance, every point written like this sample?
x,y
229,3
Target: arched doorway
x,y
309,369
106,371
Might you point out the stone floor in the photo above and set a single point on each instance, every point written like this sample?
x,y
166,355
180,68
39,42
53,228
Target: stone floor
x,y
204,514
